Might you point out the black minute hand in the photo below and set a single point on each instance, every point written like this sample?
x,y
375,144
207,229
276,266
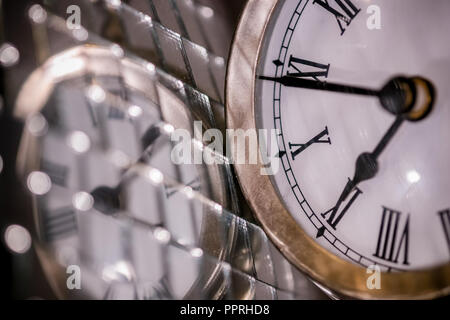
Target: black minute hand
x,y
290,81
397,96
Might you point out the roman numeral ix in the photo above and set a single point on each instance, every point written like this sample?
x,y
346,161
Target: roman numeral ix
x,y
392,238
344,15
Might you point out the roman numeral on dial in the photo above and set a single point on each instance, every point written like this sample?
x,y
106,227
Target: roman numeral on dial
x,y
344,14
116,114
393,237
335,214
445,220
57,173
59,224
297,148
298,67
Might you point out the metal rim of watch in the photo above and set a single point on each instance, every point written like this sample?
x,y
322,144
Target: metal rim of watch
x,y
32,98
327,269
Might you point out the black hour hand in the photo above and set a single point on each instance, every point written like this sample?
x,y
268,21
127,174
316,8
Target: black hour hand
x,y
366,168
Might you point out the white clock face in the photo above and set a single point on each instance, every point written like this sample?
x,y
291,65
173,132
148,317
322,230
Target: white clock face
x,y
400,219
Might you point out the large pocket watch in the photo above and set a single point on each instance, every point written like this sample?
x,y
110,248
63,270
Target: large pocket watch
x,y
357,93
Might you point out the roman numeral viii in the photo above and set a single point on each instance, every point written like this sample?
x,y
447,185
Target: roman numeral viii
x,y
303,68
297,148
445,220
392,238
344,15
